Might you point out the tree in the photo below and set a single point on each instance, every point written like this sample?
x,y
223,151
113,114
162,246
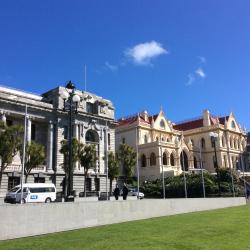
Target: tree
x,y
127,159
75,157
88,160
11,142
35,156
113,168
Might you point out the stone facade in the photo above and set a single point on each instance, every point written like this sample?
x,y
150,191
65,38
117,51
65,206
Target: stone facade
x,y
48,124
165,147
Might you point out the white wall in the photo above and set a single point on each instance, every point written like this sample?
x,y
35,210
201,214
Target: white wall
x,y
35,219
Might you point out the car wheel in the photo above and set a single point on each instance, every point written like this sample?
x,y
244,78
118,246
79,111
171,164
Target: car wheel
x,y
48,200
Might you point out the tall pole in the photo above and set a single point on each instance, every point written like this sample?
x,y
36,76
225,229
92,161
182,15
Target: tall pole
x,y
163,176
24,151
106,158
70,181
202,175
184,170
243,169
137,164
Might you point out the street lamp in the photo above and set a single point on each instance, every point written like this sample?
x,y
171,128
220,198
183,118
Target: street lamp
x,y
70,105
201,167
214,137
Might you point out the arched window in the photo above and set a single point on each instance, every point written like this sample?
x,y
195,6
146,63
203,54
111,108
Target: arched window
x,y
91,136
184,161
203,143
145,139
195,162
143,161
235,143
223,141
165,159
157,138
162,124
172,161
231,142
152,159
233,124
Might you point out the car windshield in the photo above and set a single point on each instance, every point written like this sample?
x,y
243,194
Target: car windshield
x,y
13,190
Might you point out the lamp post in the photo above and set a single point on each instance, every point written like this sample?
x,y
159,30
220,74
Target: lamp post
x,y
214,137
71,100
201,167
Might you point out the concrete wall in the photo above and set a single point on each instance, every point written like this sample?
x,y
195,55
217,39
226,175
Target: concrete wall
x,y
34,219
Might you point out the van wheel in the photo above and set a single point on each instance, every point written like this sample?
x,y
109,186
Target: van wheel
x,y
48,200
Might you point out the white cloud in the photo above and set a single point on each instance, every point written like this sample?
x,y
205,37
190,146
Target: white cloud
x,y
200,72
143,53
191,79
111,66
202,59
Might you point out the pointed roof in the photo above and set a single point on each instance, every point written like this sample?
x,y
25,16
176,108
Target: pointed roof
x,y
131,119
198,123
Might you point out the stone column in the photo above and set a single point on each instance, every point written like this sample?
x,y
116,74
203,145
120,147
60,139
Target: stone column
x,y
28,129
50,146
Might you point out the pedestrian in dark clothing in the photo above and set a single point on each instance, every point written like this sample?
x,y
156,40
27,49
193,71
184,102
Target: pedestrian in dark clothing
x,y
124,192
116,192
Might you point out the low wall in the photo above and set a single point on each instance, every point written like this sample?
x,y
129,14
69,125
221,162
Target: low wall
x,y
35,219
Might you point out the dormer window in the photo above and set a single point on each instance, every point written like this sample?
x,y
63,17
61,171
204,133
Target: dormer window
x,y
162,124
233,124
90,107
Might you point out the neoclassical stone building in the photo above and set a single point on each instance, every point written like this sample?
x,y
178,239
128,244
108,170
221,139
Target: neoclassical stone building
x,y
165,146
48,125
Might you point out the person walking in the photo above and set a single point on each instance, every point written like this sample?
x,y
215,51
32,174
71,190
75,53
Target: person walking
x,y
124,192
116,192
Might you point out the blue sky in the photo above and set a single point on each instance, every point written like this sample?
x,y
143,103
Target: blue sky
x,y
185,56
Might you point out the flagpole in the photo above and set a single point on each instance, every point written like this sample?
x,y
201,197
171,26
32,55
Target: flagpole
x,y
24,152
184,170
137,164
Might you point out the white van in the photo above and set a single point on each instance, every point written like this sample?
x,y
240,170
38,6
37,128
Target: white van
x,y
32,192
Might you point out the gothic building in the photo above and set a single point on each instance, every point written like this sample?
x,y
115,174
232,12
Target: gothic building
x,y
48,124
169,148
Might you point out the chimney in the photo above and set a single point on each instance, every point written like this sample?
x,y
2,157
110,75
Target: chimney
x,y
206,118
144,114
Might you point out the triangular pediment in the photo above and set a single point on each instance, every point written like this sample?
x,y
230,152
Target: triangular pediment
x,y
161,123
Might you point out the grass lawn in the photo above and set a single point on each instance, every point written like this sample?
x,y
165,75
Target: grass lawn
x,y
218,229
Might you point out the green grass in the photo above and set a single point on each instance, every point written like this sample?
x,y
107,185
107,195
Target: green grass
x,y
218,229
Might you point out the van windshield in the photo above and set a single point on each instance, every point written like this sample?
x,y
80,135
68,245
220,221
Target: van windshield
x,y
13,190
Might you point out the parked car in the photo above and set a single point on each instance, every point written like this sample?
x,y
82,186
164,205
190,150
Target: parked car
x,y
32,192
133,192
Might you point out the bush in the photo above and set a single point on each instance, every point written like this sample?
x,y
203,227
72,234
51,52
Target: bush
x,y
174,186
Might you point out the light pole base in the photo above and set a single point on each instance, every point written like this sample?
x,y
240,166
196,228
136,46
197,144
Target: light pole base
x,y
70,198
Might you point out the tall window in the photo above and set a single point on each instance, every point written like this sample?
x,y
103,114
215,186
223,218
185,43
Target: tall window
x,y
203,143
65,132
13,181
143,161
233,124
225,161
145,139
33,132
97,184
88,184
195,162
223,141
165,159
152,159
108,139
172,163
90,108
